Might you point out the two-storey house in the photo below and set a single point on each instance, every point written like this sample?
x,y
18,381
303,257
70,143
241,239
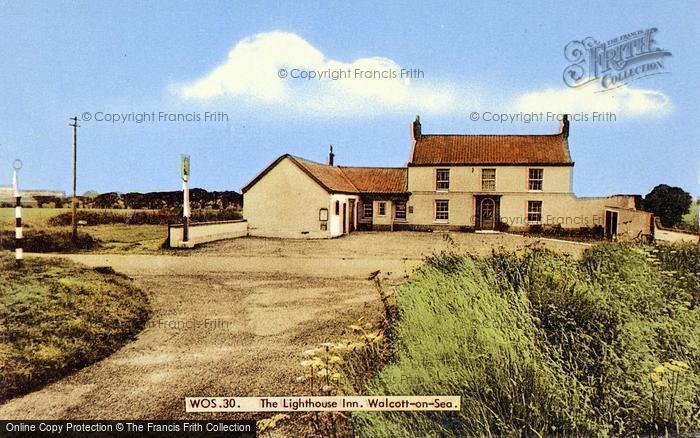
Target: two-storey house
x,y
451,182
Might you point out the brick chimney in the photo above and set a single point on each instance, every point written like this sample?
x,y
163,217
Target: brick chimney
x,y
417,129
564,128
331,155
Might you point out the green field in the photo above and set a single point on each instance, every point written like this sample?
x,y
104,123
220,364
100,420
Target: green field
x,y
59,316
542,344
112,237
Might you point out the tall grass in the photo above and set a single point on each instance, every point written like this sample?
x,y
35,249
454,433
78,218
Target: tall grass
x,y
541,344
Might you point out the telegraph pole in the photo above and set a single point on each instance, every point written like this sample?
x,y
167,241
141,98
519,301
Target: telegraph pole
x,y
74,204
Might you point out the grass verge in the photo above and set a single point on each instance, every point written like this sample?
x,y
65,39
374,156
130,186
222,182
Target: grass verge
x,y
542,344
57,316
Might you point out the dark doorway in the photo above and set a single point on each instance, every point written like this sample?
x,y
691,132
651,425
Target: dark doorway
x,y
487,212
352,215
610,224
345,218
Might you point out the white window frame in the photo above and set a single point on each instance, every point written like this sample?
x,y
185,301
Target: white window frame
x,y
531,181
381,210
534,208
445,181
489,180
446,212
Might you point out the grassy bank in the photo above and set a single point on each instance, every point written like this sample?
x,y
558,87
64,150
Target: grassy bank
x,y
57,316
542,344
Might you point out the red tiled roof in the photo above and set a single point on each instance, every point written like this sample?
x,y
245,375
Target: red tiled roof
x,y
377,179
332,178
490,149
346,179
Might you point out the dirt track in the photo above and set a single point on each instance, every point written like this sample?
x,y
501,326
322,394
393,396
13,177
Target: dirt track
x,y
233,317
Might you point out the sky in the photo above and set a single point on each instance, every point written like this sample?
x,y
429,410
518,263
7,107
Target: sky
x,y
204,79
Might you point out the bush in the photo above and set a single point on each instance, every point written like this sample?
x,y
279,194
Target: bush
x,y
541,344
151,217
49,241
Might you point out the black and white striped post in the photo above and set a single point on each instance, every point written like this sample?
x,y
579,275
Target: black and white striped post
x,y
19,238
185,173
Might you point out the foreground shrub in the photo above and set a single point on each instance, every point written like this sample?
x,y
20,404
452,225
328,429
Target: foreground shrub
x,y
541,344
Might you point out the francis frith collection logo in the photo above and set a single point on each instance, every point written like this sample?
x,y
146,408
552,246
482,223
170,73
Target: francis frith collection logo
x,y
615,62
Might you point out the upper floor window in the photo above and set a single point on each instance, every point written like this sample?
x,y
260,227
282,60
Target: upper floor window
x,y
535,178
382,209
488,180
442,179
400,211
367,210
534,212
442,210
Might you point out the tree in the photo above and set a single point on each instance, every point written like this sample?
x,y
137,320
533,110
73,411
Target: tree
x,y
668,203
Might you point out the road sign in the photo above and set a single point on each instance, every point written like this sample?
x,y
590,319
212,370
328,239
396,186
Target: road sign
x,y
185,168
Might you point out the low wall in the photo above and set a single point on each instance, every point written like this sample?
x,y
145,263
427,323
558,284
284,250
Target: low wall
x,y
664,234
202,232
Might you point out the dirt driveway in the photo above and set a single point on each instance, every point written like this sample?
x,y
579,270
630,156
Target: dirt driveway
x,y
232,318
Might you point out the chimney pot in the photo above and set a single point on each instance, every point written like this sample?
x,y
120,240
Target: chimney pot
x,y
564,128
417,131
331,155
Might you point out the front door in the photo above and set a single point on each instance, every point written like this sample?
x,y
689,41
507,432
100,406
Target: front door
x,y
487,214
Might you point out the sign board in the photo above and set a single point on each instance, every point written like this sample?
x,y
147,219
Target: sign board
x,y
185,167
323,214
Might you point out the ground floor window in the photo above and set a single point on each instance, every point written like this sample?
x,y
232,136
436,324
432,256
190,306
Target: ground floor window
x,y
534,212
382,209
400,211
442,210
367,210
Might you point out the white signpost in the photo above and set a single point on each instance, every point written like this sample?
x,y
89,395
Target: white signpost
x,y
185,171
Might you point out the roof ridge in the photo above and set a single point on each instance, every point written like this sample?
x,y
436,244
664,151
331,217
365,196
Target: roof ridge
x,y
372,167
491,135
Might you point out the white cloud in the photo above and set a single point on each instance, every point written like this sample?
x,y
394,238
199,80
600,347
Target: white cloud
x,y
250,76
626,101
251,73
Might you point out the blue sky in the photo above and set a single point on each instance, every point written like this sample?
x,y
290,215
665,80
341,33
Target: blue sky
x,y
61,59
